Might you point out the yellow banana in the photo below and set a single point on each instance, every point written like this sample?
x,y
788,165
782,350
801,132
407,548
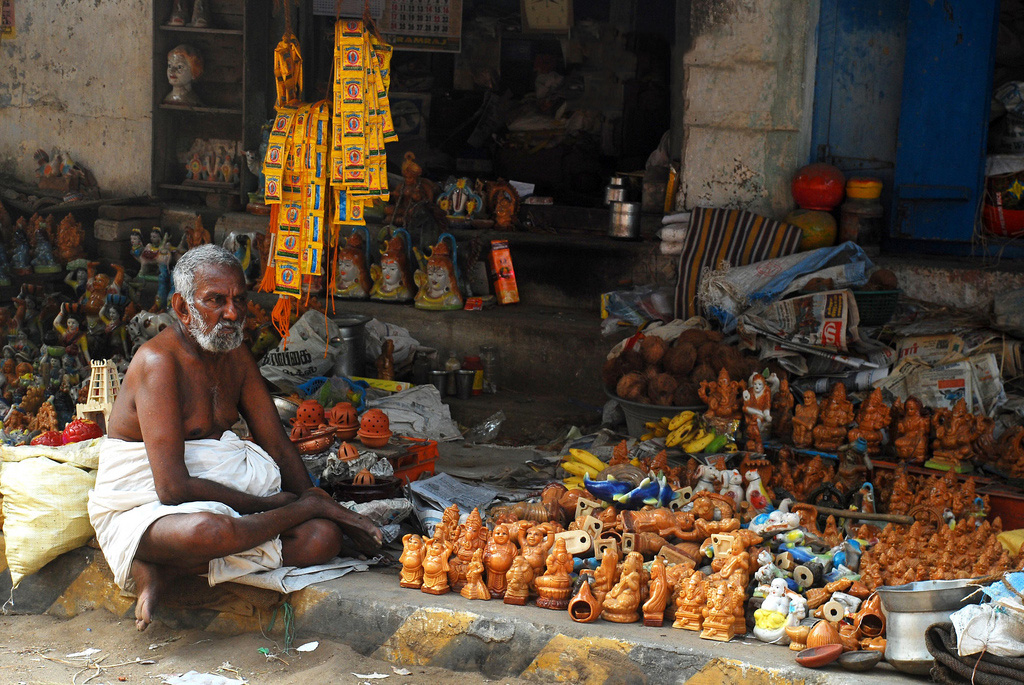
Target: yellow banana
x,y
682,434
578,469
699,443
585,457
660,432
646,436
573,482
664,421
681,418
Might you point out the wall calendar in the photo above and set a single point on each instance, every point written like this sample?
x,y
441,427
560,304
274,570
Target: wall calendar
x,y
428,25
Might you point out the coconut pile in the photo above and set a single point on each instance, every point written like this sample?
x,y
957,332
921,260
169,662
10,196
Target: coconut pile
x,y
669,373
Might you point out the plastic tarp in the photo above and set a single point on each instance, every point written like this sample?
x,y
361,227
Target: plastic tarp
x,y
726,293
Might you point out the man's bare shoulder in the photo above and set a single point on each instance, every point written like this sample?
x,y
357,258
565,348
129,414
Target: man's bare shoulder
x,y
162,353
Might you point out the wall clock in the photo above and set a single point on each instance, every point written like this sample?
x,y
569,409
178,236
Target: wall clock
x,y
549,16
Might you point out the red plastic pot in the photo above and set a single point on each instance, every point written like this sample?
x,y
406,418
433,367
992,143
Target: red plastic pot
x,y
48,439
81,429
818,186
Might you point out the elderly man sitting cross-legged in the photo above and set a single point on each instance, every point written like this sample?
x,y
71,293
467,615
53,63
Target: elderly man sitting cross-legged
x,y
177,492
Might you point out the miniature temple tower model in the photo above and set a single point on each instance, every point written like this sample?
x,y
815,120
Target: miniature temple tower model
x,y
104,385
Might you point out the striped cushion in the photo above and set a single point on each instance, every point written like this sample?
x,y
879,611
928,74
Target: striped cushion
x,y
734,236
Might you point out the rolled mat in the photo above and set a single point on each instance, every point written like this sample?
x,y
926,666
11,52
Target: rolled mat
x,y
980,669
732,236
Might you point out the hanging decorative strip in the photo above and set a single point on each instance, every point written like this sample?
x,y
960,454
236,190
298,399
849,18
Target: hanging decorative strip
x,y
325,153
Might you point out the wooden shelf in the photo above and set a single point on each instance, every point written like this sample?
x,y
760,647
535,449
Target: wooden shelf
x,y
233,189
207,30
201,110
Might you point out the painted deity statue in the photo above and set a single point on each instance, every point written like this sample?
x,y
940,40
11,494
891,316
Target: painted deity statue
x,y
392,281
757,406
184,66
352,276
438,281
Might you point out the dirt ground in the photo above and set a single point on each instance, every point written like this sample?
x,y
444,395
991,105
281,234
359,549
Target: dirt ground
x,y
34,650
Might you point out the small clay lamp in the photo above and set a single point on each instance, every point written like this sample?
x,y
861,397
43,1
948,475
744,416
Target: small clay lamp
x,y
364,477
343,417
347,452
374,428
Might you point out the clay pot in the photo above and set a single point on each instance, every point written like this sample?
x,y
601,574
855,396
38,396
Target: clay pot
x,y
374,422
823,633
870,620
818,186
313,442
310,413
343,417
382,488
584,607
374,428
374,441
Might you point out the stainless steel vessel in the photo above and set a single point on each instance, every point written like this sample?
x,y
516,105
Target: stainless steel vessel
x,y
909,610
624,220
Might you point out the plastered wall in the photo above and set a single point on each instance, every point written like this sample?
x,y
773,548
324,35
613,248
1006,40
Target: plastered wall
x,y
746,125
78,76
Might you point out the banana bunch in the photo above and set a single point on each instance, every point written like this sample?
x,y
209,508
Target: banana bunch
x,y
656,429
581,463
683,427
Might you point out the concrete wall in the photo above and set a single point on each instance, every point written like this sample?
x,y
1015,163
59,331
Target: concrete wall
x,y
78,76
747,119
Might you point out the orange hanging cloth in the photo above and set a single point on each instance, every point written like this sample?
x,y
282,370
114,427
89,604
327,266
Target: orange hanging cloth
x,y
288,71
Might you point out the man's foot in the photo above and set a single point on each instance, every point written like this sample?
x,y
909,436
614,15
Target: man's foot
x,y
149,585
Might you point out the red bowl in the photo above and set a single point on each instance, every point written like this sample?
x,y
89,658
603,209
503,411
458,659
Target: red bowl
x,y
1004,222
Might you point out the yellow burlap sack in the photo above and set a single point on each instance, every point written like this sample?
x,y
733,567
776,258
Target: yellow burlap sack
x,y
44,510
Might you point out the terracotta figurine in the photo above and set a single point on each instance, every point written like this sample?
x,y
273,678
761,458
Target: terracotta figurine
x,y
498,556
555,587
518,581
606,575
622,603
412,561
872,418
954,432
392,281
782,412
836,414
804,420
438,279
475,588
435,567
352,276
658,592
534,545
722,398
690,603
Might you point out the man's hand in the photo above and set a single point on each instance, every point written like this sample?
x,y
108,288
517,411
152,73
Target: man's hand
x,y
280,499
364,534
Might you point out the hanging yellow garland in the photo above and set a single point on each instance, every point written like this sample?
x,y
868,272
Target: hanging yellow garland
x,y
322,153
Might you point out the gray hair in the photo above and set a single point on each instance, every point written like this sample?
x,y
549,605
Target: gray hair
x,y
196,259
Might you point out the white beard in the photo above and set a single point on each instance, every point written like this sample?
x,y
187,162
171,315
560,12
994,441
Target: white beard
x,y
224,337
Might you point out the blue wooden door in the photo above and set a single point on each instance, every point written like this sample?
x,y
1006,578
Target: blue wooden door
x,y
947,87
857,86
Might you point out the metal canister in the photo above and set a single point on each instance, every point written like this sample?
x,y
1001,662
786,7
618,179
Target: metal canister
x,y
615,191
624,220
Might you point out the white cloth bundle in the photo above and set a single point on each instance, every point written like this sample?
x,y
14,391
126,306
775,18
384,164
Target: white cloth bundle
x,y
124,502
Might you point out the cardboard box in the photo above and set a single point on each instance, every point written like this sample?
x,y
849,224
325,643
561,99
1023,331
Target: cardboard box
x,y
502,273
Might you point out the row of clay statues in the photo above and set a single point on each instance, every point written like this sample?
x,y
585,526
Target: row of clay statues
x,y
946,435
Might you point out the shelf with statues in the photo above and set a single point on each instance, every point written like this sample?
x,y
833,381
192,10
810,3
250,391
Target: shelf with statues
x,y
200,109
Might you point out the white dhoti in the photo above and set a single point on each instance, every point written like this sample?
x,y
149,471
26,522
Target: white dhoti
x,y
124,503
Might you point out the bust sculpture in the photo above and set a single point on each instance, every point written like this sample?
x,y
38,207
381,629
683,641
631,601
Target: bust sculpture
x,y
184,66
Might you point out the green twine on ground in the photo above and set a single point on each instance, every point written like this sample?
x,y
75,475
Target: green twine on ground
x,y
289,624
